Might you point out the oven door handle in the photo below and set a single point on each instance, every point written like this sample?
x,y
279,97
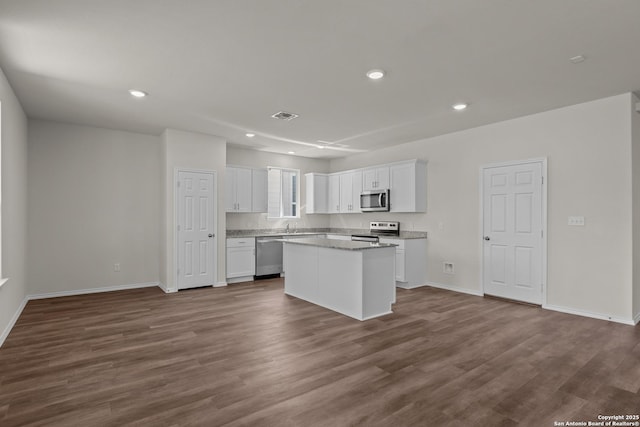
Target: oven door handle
x,y
380,199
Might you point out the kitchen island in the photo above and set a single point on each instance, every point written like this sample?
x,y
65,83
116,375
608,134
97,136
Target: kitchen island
x,y
356,279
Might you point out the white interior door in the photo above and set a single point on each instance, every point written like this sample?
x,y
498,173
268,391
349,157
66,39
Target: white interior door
x,y
512,231
196,237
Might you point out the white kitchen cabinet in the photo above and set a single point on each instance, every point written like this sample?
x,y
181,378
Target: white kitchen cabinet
x,y
238,189
259,190
400,265
375,178
411,261
317,185
334,193
241,259
350,189
408,186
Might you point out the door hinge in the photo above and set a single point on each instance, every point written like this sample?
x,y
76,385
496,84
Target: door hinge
x,y
542,180
178,228
541,233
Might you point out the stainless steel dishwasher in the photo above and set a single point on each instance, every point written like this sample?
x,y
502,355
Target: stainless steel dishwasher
x,y
268,256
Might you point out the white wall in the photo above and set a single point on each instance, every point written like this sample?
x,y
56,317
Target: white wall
x,y
635,142
588,149
243,157
13,126
189,150
93,202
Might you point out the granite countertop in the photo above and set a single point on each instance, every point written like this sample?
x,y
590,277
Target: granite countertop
x,y
307,231
338,244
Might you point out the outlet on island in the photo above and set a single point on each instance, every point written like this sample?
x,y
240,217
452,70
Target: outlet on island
x,y
116,267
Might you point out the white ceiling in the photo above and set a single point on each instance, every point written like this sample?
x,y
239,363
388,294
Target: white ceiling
x,y
224,67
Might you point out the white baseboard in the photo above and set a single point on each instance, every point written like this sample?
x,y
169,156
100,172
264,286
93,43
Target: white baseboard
x,y
584,313
405,285
163,287
636,318
13,320
220,284
455,289
232,280
92,290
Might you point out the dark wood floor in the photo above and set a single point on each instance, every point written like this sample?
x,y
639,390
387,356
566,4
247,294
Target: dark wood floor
x,y
249,355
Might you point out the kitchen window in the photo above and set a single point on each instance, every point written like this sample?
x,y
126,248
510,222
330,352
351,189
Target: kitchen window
x,y
283,192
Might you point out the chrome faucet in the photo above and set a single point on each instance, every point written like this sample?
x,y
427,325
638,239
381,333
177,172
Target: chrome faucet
x,y
287,228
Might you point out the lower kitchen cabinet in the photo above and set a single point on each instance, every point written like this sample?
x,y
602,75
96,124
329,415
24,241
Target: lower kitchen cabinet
x,y
241,259
411,261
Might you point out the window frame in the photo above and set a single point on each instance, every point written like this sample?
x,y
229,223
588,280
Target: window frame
x,y
295,199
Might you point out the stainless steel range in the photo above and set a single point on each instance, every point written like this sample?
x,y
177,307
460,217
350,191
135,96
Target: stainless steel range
x,y
378,229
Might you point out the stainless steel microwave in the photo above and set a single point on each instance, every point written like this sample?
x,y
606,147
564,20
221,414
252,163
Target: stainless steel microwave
x,y
374,201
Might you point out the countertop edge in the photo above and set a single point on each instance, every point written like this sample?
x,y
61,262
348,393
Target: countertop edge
x,y
345,245
404,235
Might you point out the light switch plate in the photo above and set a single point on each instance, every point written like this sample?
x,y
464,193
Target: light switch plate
x,y
576,221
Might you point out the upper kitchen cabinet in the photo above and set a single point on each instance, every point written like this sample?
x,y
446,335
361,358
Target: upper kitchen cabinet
x,y
334,193
375,178
408,185
406,180
350,189
317,185
238,189
259,190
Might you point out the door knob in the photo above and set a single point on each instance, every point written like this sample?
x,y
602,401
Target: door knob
x,y
487,238
210,235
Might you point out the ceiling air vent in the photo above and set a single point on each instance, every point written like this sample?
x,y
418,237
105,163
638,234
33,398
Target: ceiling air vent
x,y
283,115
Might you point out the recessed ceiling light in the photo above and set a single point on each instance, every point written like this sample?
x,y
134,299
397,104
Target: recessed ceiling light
x,y
459,107
137,93
577,59
321,147
250,135
291,152
375,74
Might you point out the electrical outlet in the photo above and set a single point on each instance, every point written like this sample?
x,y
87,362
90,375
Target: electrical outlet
x,y
116,267
448,267
576,221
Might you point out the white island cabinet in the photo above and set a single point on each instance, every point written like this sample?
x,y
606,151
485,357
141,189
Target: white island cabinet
x,y
356,279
